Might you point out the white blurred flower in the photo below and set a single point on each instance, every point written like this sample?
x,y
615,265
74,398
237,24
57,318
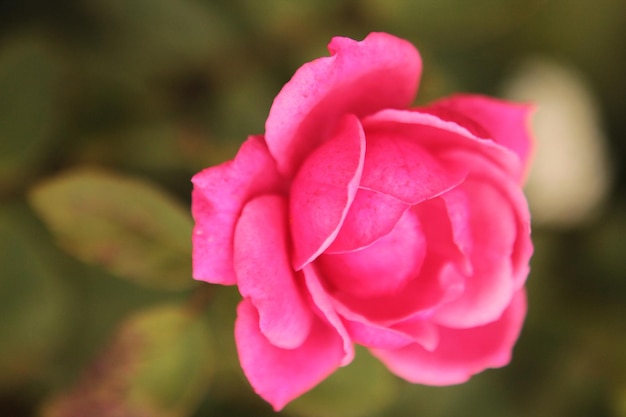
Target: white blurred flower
x,y
570,174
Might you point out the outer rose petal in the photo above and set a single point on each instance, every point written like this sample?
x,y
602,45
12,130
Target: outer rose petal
x,y
264,273
523,248
441,137
374,335
461,353
323,190
485,229
359,78
326,308
509,189
507,123
280,375
513,194
218,196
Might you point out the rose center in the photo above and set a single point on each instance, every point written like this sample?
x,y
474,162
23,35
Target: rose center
x,y
382,268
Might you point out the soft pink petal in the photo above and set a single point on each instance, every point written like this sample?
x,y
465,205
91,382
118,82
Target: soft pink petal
x,y
485,229
384,268
371,216
443,246
326,309
507,123
442,138
460,353
265,275
280,375
508,187
374,335
523,248
323,190
423,331
219,194
360,78
436,284
441,278
401,166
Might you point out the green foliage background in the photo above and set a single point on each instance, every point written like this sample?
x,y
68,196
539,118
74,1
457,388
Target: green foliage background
x,y
107,108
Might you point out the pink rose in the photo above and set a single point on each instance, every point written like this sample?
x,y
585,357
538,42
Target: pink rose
x,y
359,219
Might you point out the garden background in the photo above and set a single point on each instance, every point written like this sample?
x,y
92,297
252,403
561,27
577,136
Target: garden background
x,y
107,108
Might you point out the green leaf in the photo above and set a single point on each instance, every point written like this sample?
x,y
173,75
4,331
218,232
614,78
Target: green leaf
x,y
361,388
30,78
34,303
159,364
125,225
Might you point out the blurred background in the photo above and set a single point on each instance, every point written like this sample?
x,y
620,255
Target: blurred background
x,y
107,108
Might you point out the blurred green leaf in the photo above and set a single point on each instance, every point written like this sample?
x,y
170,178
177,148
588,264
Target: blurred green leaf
x,y
359,389
159,364
125,225
33,303
29,84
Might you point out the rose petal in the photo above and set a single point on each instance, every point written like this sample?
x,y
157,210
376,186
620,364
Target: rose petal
x,y
325,306
359,78
460,353
264,273
485,229
424,333
441,278
218,196
487,172
401,166
323,190
506,122
437,283
513,194
443,247
371,216
280,375
523,247
383,268
443,139
374,335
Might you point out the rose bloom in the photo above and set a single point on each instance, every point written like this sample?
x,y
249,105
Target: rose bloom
x,y
359,219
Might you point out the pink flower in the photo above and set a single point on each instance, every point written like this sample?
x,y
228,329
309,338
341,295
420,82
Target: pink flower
x,y
359,219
